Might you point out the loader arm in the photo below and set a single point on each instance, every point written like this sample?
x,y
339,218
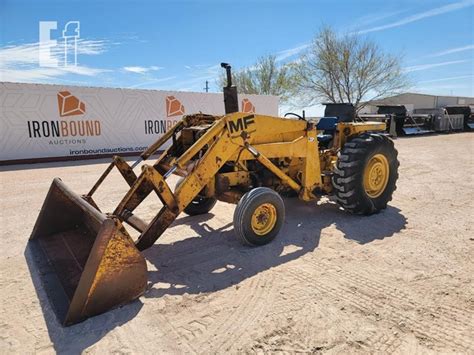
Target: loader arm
x,y
220,149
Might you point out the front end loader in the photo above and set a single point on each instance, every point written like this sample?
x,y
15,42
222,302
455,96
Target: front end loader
x,y
90,264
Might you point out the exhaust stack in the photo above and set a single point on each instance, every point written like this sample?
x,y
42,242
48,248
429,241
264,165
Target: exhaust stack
x,y
231,101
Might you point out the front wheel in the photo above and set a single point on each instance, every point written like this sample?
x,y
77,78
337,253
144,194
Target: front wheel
x,y
200,204
259,216
366,174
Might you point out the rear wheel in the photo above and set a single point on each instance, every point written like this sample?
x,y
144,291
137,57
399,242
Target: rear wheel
x,y
259,216
366,174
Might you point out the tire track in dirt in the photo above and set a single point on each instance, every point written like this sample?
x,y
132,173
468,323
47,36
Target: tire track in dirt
x,y
291,322
298,304
388,291
431,324
456,319
386,343
382,341
248,313
375,298
197,329
171,331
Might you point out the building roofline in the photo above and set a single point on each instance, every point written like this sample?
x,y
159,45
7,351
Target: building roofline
x,y
420,94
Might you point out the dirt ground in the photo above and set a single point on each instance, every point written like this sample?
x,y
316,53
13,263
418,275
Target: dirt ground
x,y
397,282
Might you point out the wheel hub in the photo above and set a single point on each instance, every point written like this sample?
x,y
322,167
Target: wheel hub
x,y
376,175
264,219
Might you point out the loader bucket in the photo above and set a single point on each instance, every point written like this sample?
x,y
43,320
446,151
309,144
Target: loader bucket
x,y
86,260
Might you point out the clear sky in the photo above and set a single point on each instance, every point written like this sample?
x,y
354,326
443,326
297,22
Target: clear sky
x,y
178,45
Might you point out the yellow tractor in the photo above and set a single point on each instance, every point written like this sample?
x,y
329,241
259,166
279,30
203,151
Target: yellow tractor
x,y
88,261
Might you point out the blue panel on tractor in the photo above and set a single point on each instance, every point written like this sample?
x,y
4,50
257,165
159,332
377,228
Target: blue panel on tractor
x,y
327,124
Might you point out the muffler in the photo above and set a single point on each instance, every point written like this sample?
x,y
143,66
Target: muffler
x,y
87,262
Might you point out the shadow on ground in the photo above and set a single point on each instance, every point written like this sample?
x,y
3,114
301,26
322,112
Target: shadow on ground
x,y
214,259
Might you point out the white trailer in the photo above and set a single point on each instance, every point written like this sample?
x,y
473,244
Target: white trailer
x,y
41,122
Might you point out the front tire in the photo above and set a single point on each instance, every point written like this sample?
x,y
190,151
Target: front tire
x,y
259,216
200,204
366,174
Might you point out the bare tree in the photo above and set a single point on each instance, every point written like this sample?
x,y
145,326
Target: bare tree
x,y
346,69
266,77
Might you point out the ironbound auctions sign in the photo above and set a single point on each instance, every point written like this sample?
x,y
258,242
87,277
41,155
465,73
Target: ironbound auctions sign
x,y
40,121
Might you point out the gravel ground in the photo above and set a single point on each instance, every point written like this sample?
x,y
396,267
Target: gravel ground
x,y
400,281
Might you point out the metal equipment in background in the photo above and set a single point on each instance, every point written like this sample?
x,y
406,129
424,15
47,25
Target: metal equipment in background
x,y
400,122
424,120
466,110
89,263
392,115
438,119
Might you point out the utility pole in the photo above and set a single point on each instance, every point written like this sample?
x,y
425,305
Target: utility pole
x,y
207,86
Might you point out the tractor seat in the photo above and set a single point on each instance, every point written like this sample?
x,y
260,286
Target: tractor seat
x,y
323,138
328,126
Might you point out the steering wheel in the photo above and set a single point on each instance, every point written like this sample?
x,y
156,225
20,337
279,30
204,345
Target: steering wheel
x,y
294,114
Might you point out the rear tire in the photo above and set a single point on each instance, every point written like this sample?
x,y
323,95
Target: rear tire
x,y
259,216
366,174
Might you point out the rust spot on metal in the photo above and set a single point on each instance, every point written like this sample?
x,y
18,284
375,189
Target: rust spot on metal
x,y
161,186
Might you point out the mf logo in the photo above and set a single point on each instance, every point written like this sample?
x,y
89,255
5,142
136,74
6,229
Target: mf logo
x,y
50,51
241,123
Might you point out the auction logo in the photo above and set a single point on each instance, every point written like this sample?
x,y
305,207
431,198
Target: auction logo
x,y
70,131
69,105
247,106
174,107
